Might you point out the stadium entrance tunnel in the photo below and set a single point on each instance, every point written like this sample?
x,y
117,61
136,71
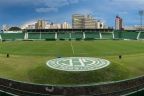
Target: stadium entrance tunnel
x,y
78,63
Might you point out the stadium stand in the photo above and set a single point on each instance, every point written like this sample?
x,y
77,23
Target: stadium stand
x,y
77,35
87,35
63,35
12,36
129,35
117,34
34,36
141,35
92,35
48,36
106,89
136,93
107,35
2,93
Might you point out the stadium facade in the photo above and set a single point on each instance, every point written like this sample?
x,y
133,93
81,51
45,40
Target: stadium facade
x,y
73,34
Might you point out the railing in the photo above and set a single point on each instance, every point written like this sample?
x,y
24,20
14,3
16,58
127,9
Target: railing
x,y
105,89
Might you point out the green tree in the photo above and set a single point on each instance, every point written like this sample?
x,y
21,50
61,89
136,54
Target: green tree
x,y
14,29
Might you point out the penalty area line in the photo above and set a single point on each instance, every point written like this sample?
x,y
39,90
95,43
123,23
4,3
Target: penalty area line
x,y
72,48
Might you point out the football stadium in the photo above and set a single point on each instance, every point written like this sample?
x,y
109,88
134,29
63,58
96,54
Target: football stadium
x,y
72,62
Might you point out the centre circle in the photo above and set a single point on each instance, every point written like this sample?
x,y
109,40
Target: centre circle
x,y
78,63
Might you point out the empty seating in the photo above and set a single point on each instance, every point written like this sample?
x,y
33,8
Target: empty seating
x,y
136,93
129,35
117,34
141,35
12,36
107,35
77,35
63,35
90,35
5,94
72,35
41,35
33,35
48,36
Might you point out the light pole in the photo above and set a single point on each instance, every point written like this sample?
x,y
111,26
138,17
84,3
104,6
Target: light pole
x,y
141,13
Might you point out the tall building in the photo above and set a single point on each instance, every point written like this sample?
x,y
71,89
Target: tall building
x,y
86,22
55,26
118,23
41,24
65,25
77,21
89,22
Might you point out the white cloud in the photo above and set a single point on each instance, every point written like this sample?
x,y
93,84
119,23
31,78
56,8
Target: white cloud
x,y
54,5
73,1
4,2
83,11
129,3
23,26
44,10
48,5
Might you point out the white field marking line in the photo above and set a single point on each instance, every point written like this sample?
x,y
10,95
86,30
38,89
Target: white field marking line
x,y
72,48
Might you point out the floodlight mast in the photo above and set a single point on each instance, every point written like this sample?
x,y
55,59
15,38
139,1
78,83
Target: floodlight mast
x,y
141,13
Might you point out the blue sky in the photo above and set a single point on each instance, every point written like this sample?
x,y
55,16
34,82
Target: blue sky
x,y
19,12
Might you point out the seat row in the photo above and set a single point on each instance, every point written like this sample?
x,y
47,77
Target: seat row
x,y
76,35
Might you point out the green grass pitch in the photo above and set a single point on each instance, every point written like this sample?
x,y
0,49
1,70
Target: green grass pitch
x,y
28,59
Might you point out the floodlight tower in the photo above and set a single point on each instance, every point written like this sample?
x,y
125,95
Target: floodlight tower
x,y
141,13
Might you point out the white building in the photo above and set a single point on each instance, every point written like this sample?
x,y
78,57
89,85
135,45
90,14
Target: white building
x,y
47,26
135,27
100,25
41,24
30,26
86,22
55,26
65,25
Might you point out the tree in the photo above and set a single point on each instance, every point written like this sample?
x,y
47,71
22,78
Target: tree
x,y
14,29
